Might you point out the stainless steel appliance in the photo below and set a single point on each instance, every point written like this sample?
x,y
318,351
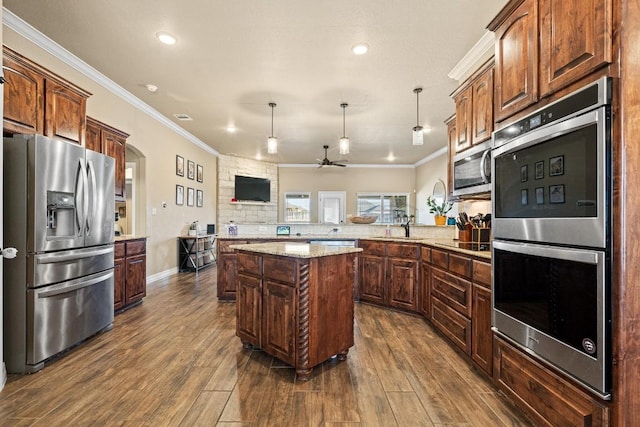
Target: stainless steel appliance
x,y
472,171
552,235
58,213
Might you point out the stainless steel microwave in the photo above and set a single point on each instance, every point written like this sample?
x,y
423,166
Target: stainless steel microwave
x,y
472,171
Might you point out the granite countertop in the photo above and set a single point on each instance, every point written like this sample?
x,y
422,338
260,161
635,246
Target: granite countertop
x,y
124,237
295,250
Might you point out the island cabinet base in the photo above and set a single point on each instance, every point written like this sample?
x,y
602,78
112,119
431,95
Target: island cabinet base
x,y
299,310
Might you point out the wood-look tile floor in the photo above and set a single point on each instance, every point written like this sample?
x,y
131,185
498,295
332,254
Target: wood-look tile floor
x,y
175,361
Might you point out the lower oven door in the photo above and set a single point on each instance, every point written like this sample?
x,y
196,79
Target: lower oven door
x,y
554,302
61,315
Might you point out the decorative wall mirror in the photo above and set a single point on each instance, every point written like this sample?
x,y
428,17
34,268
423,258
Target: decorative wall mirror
x,y
439,192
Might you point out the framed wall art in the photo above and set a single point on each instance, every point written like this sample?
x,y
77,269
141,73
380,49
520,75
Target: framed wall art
x,y
556,193
191,169
524,173
539,195
556,166
539,169
190,196
524,197
199,173
199,198
179,165
179,195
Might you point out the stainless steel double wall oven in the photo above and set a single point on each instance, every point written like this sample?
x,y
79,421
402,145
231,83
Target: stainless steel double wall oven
x,y
552,234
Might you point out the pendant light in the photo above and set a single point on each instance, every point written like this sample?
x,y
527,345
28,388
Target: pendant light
x,y
272,141
344,141
417,130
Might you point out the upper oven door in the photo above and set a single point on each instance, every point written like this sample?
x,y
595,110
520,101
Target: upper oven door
x,y
550,185
472,171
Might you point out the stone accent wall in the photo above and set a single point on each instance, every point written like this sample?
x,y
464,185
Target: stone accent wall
x,y
245,212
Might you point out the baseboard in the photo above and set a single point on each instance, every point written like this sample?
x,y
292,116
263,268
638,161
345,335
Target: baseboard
x,y
162,275
3,376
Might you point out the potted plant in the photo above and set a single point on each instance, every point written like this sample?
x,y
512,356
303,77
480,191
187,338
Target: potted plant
x,y
193,228
439,209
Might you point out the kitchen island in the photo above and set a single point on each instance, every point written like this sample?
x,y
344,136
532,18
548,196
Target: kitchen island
x,y
295,301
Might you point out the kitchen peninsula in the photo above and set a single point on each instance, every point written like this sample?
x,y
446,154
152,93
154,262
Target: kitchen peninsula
x,y
295,301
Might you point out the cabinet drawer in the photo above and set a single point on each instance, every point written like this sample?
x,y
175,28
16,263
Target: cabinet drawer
x,y
440,258
401,250
249,263
118,250
482,273
425,254
136,247
280,269
452,324
371,247
451,290
460,265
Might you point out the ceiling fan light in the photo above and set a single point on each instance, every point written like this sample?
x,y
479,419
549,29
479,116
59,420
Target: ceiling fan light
x,y
344,145
418,135
272,145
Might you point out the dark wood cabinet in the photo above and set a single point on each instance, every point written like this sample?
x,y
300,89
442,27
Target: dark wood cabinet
x,y
516,58
481,334
463,118
575,40
299,310
371,279
226,274
119,275
107,140
549,399
451,150
36,101
130,285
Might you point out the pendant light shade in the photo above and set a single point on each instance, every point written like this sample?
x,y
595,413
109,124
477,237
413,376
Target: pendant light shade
x,y
418,133
272,141
344,141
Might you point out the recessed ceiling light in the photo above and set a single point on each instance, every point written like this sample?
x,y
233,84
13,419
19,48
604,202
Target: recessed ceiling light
x,y
231,129
166,38
151,88
182,116
360,48
391,157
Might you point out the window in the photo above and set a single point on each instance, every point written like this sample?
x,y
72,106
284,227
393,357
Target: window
x,y
390,208
297,207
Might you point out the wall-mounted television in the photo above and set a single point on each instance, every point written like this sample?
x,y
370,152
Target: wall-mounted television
x,y
252,189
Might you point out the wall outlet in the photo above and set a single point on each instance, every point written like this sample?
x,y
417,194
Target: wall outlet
x,y
337,229
262,228
154,211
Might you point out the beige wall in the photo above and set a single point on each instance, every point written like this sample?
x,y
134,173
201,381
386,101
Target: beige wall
x,y
349,179
157,146
427,175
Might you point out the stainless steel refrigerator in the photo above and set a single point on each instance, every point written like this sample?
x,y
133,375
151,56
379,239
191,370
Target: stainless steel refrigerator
x,y
59,213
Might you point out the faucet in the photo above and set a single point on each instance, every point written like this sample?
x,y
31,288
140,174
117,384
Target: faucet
x,y
406,227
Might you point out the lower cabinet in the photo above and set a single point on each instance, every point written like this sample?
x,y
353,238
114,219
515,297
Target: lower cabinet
x,y
549,399
130,272
372,280
226,261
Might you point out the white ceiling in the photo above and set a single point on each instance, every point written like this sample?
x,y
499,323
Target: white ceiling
x,y
234,57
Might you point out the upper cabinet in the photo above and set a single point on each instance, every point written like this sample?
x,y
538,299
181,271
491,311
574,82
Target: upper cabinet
x,y
107,140
543,46
575,39
474,109
37,101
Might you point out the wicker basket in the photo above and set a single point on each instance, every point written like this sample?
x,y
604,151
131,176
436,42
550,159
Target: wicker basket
x,y
369,219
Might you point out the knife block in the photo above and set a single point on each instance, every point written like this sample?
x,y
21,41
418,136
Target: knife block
x,y
481,235
465,235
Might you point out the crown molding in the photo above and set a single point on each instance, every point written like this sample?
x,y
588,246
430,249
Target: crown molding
x,y
24,29
431,156
354,166
480,52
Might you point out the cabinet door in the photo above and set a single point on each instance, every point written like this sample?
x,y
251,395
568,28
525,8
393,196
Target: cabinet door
x,y
64,113
482,108
452,140
226,276
119,282
248,309
23,98
279,321
463,119
114,146
93,137
402,279
481,335
575,39
425,290
371,279
516,68
136,287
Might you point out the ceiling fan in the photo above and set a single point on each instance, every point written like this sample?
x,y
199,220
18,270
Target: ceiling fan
x,y
327,162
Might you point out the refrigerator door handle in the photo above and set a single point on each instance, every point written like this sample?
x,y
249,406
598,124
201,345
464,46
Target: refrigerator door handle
x,y
63,289
93,190
78,196
54,258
